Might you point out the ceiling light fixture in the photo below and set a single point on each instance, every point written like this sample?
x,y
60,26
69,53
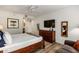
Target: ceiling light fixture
x,y
29,11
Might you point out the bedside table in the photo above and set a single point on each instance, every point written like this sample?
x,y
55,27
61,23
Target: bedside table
x,y
1,50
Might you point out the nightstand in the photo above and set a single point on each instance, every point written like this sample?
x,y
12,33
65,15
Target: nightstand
x,y
1,51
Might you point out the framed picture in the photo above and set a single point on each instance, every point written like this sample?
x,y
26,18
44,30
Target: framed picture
x,y
64,28
12,23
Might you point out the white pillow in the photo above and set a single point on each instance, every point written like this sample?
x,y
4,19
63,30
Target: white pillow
x,y
7,38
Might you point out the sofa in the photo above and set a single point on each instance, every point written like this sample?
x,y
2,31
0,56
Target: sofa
x,y
74,44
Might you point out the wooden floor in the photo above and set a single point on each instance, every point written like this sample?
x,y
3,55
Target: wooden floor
x,y
49,48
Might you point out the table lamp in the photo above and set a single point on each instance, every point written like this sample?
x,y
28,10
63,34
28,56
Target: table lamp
x,y
1,27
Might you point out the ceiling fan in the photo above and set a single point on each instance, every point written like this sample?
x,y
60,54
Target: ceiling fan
x,y
30,9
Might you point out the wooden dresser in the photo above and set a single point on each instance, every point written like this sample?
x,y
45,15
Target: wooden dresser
x,y
48,36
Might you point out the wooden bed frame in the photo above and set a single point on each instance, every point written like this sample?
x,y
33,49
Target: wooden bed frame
x,y
30,49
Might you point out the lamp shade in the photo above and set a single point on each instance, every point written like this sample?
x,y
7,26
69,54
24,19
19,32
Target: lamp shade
x,y
24,21
75,31
1,27
74,34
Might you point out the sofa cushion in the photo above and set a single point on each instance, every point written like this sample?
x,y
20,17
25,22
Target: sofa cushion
x,y
76,45
66,49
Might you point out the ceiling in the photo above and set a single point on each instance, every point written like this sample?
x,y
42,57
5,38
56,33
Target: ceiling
x,y
37,10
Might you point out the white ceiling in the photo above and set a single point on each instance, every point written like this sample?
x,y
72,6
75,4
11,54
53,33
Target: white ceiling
x,y
38,11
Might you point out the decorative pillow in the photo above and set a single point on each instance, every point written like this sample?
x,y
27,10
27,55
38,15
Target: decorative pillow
x,y
7,38
76,45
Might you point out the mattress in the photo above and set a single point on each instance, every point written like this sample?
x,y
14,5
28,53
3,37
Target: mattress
x,y
20,41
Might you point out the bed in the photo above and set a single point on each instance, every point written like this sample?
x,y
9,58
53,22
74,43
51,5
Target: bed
x,y
22,43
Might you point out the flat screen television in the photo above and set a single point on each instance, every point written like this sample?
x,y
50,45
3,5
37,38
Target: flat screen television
x,y
49,23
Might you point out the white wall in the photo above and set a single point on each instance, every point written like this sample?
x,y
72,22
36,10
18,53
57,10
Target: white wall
x,y
3,20
70,14
8,14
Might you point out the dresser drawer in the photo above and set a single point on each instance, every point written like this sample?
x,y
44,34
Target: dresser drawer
x,y
48,39
47,35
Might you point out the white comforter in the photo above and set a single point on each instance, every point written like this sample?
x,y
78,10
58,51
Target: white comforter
x,y
21,41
